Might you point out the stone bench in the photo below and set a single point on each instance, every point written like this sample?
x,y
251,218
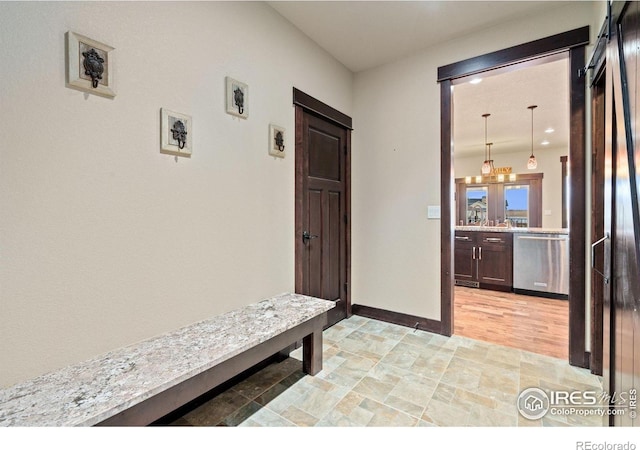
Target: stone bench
x,y
143,382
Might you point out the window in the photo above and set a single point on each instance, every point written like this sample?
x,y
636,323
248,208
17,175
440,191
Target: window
x,y
476,205
516,205
494,202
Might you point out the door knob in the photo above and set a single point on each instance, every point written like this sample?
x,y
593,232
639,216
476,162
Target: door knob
x,y
306,236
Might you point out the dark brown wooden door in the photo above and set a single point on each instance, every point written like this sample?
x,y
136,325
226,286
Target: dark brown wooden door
x,y
621,359
321,260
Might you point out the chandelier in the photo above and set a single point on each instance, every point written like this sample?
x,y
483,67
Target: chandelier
x,y
532,163
487,165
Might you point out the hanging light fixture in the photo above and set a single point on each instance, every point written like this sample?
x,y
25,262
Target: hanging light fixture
x,y
487,165
492,170
532,163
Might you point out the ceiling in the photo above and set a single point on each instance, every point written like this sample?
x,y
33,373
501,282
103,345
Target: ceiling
x,y
365,34
506,95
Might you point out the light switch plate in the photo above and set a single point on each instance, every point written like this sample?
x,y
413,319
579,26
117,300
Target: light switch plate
x,y
547,212
433,212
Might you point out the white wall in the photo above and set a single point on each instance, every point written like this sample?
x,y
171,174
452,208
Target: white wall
x,y
548,164
396,162
103,240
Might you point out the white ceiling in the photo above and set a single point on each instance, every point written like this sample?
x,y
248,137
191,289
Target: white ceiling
x,y
506,96
365,34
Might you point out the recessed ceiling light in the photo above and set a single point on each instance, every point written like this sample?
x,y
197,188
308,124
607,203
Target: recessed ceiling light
x,y
476,81
544,143
549,130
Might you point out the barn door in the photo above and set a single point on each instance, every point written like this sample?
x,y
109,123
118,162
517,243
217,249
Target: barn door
x,y
621,281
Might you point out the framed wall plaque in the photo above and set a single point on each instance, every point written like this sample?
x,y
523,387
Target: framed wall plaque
x,y
89,65
237,98
276,141
176,133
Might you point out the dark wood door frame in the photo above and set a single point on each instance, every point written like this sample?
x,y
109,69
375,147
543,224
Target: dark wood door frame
x,y
306,103
574,42
597,63
564,162
598,101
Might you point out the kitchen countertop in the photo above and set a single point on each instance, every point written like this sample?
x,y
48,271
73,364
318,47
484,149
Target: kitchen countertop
x,y
92,391
533,230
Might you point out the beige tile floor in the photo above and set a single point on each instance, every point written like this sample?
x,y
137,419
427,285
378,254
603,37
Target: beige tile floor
x,y
380,374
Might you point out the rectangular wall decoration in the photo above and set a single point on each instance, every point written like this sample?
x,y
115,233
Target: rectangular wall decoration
x,y
176,133
276,141
89,65
237,98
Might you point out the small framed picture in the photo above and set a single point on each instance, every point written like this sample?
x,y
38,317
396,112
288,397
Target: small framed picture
x,y
89,65
276,141
237,98
176,133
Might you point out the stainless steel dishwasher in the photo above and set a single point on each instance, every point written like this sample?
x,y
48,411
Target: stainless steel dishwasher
x,y
541,263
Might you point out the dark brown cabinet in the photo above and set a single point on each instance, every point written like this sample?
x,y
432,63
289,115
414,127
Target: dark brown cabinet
x,y
484,259
465,263
495,259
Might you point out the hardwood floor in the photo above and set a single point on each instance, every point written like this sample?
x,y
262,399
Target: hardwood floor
x,y
534,324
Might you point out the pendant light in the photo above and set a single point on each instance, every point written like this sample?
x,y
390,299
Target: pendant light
x,y
532,163
487,165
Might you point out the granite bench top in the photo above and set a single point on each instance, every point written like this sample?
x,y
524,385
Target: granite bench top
x,y
87,393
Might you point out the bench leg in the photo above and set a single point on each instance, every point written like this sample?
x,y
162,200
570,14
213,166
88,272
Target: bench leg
x,y
312,353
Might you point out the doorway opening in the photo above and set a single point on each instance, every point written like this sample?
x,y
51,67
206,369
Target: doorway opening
x,y
573,43
511,284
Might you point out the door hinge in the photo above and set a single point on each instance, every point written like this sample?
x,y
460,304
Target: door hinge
x,y
345,149
346,287
346,219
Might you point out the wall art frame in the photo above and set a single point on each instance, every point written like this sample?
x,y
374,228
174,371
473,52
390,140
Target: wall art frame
x,y
277,135
90,65
176,133
237,98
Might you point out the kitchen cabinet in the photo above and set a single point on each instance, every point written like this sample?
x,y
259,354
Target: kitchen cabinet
x,y
484,259
465,259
